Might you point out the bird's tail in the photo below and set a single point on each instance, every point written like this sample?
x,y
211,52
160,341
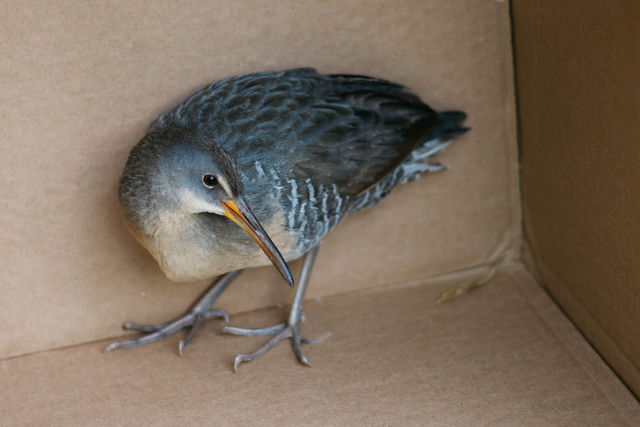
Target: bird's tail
x,y
449,125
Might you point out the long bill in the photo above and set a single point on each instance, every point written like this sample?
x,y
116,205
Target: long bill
x,y
238,211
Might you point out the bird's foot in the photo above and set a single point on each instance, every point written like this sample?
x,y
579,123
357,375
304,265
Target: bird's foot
x,y
281,332
192,320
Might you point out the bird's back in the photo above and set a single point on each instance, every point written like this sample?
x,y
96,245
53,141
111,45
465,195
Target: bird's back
x,y
312,148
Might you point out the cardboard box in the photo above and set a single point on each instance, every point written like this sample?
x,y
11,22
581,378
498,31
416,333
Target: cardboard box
x,y
80,85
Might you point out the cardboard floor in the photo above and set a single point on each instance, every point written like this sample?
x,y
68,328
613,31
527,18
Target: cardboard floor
x,y
502,354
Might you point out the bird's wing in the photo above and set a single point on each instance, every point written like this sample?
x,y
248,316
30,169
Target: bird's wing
x,y
365,128
344,130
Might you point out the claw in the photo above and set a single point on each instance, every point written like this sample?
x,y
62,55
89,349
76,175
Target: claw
x,y
320,338
218,313
238,360
297,349
112,346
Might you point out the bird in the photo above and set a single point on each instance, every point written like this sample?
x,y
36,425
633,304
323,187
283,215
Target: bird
x,y
257,169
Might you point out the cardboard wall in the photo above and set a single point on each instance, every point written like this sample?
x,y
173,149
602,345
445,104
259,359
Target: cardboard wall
x,y
80,83
577,69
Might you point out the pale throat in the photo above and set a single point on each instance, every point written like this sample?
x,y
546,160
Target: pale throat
x,y
187,250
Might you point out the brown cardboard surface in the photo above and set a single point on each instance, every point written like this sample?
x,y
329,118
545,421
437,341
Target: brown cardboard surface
x,y
500,355
579,100
81,81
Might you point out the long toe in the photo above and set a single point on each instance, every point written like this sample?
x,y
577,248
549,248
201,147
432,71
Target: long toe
x,y
249,332
147,329
162,330
248,357
281,332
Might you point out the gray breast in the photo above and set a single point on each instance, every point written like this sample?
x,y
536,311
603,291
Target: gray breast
x,y
309,210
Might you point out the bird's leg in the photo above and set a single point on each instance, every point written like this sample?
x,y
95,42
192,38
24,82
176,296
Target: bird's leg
x,y
194,317
282,331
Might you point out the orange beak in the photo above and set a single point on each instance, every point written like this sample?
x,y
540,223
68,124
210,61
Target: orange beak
x,y
238,211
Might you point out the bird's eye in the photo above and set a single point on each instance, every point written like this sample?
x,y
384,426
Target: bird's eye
x,y
209,180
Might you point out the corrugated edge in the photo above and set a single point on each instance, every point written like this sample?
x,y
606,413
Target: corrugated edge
x,y
513,236
585,356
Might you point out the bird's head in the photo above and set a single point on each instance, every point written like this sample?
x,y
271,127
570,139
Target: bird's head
x,y
179,170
